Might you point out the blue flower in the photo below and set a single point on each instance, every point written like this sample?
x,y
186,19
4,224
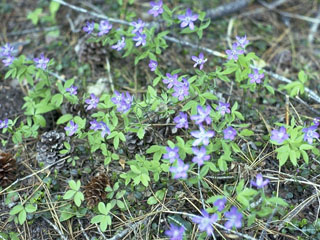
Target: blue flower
x,y
205,221
279,136
72,128
119,45
201,155
234,218
172,154
175,233
180,170
259,183
89,27
310,133
203,115
156,8
188,19
104,27
202,136
181,120
229,133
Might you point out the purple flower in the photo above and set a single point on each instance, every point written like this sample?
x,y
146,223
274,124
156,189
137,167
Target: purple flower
x,y
242,41
204,115
223,108
199,60
205,221
119,45
95,125
6,50
104,27
156,8
180,171
92,102
234,217
310,133
181,89
259,183
316,121
8,60
229,133
72,90
140,39
279,135
122,101
72,128
153,65
170,80
175,233
234,52
255,77
220,204
188,19
118,98
41,62
100,126
181,120
138,26
201,155
172,154
4,123
202,136
89,27
104,128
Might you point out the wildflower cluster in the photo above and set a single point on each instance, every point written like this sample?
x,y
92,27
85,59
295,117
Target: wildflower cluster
x,y
122,101
210,125
6,52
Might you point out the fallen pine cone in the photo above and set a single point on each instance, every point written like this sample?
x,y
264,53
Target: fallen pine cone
x,y
7,169
94,191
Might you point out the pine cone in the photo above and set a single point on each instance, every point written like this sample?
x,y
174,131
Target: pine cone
x,y
94,191
91,52
159,130
7,169
49,146
134,145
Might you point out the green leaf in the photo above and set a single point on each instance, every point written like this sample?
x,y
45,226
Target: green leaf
x,y
64,118
30,208
35,15
277,200
22,216
145,179
69,194
135,169
104,223
54,7
73,185
116,142
293,157
57,99
16,209
141,133
246,133
283,157
152,200
305,147
120,204
97,219
78,198
222,164
102,208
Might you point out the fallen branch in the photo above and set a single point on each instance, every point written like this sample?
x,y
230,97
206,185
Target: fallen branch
x,y
63,237
227,9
